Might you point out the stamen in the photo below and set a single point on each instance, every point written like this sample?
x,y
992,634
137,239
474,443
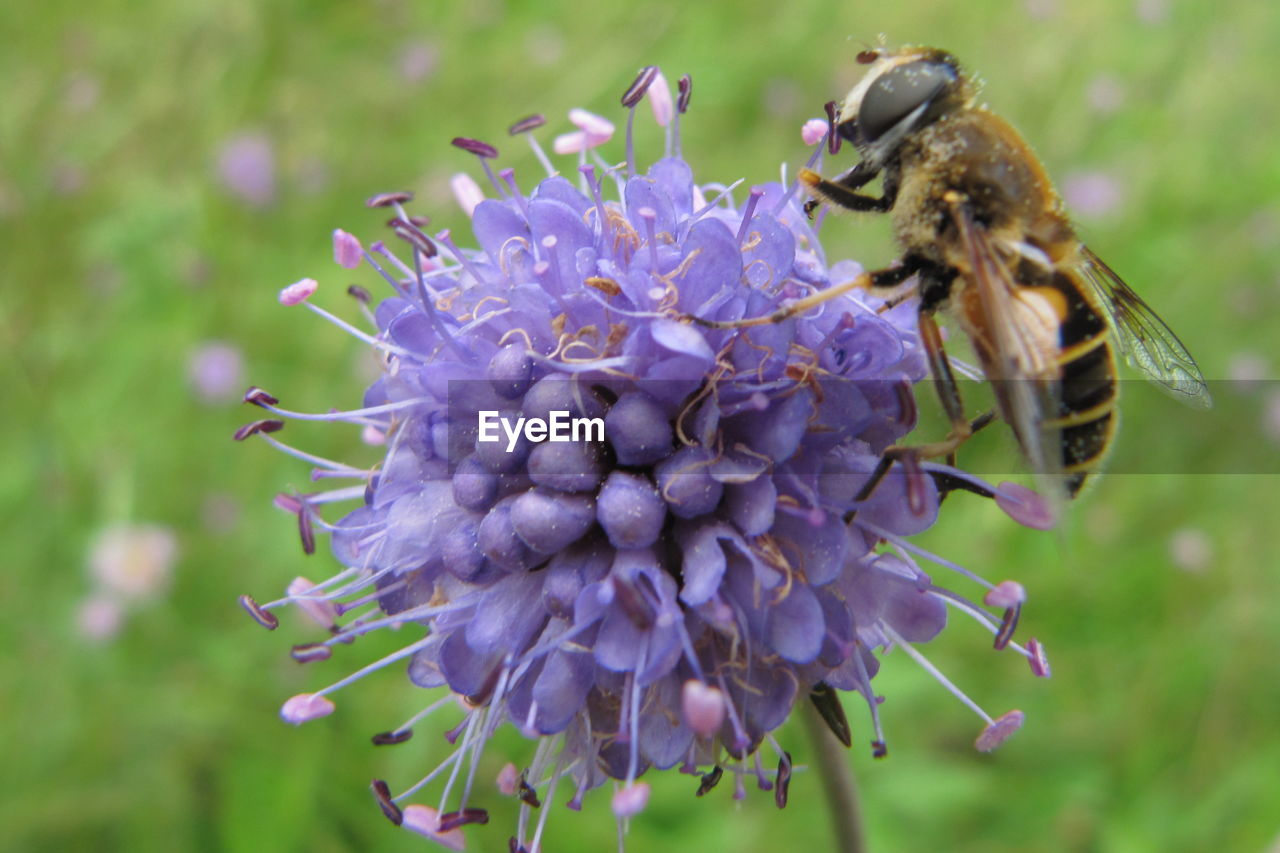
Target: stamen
x,y
630,99
833,138
709,781
425,712
928,667
784,780
262,617
472,724
390,199
794,184
1008,625
917,500
814,131
631,800
527,124
376,343
414,236
917,550
602,214
392,738
684,90
425,821
748,211
740,738
559,770
999,730
466,192
347,251
407,651
1025,506
509,177
1036,656
298,292
1005,594
310,652
453,820
878,748
306,533
447,241
827,702
485,152
263,426
259,397
524,126
306,707
508,777
639,86
382,793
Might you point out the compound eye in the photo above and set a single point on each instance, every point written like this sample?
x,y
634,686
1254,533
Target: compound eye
x,y
897,92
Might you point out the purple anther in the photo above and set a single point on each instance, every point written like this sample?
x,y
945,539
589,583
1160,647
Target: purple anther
x,y
833,138
475,146
259,397
306,533
784,780
709,781
392,738
527,124
382,793
388,199
685,87
413,235
453,820
639,86
310,652
262,617
268,425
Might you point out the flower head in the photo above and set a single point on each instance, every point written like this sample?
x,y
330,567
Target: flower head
x,y
660,587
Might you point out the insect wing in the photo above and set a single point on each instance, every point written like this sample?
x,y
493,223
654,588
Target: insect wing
x,y
1024,376
1147,342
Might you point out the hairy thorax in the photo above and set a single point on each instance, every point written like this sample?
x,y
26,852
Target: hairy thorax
x,y
982,157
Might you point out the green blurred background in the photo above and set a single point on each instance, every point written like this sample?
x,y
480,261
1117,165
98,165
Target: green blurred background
x,y
124,252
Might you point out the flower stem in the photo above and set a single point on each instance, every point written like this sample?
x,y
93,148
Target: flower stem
x,y
837,782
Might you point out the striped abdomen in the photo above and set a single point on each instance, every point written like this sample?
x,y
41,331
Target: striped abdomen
x,y
1086,418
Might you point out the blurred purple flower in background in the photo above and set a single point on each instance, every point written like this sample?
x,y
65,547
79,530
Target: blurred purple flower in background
x,y
128,565
662,593
216,372
247,168
1091,193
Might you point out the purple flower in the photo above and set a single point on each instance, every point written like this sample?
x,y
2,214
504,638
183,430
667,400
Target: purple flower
x,y
247,168
215,370
662,586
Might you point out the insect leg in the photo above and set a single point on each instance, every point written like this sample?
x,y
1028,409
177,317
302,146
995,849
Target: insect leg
x,y
884,279
948,394
838,192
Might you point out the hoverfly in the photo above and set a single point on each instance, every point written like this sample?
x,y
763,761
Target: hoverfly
x,y
986,236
